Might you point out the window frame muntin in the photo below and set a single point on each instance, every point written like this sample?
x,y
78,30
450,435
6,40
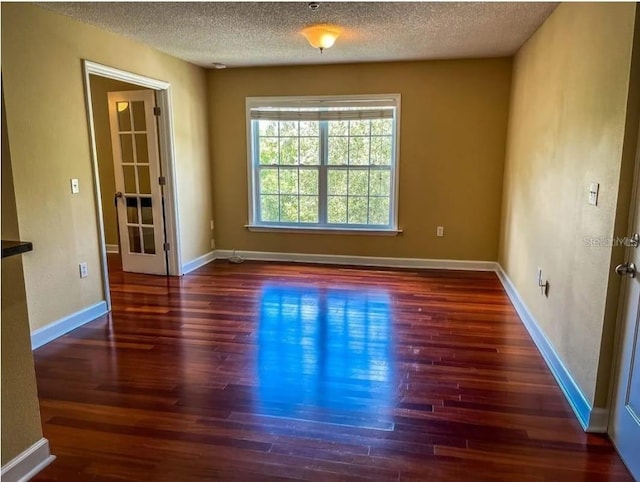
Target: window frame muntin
x,y
317,101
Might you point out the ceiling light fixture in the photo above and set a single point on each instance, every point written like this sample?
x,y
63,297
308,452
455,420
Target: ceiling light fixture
x,y
322,36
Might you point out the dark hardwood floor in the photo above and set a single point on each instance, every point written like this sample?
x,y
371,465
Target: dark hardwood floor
x,y
266,371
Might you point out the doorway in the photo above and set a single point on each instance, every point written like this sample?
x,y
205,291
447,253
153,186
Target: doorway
x,y
134,182
624,423
138,181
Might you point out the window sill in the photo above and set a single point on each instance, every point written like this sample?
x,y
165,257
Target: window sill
x,y
321,230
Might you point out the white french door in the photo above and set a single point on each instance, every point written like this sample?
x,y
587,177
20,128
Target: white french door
x,y
136,162
624,426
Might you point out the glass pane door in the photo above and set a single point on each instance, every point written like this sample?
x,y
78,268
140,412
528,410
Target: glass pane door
x,y
136,162
132,131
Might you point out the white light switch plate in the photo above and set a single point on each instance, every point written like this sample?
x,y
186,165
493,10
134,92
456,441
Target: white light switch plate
x,y
75,186
594,188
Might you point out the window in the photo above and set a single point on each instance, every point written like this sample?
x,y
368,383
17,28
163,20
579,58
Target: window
x,y
323,162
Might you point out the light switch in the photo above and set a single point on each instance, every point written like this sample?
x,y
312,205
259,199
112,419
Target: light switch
x,y
593,193
75,186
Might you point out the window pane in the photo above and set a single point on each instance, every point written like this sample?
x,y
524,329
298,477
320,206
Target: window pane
x,y
337,210
358,182
288,181
288,128
359,128
269,208
289,209
146,208
129,173
310,150
381,151
268,128
359,150
269,181
338,150
338,128
144,180
309,128
124,116
139,121
308,181
268,150
142,151
289,150
357,210
148,240
134,240
379,210
337,181
126,147
308,209
379,182
381,127
132,209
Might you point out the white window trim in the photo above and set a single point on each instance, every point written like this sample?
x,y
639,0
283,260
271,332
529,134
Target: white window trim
x,y
254,225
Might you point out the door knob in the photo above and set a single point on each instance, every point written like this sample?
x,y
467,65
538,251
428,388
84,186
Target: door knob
x,y
626,269
116,196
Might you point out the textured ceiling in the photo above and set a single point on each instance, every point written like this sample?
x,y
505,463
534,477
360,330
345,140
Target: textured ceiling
x,y
268,33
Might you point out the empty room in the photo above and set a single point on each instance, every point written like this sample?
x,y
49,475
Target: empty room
x,y
320,241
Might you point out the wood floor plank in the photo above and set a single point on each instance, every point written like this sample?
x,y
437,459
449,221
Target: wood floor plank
x,y
275,371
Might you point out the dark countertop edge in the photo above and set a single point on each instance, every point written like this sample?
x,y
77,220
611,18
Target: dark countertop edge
x,y
12,248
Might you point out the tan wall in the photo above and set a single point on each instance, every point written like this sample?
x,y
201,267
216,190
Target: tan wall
x,y
567,129
100,86
453,131
20,411
42,57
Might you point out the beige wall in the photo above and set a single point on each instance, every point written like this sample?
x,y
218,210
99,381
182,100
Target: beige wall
x,y
453,130
42,57
567,124
100,87
20,410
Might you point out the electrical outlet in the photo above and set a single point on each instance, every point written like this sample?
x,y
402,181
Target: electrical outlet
x,y
75,186
213,244
84,270
440,231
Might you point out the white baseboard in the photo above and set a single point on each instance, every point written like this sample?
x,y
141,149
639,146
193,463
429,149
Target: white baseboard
x,y
112,248
359,260
592,419
198,262
27,464
64,325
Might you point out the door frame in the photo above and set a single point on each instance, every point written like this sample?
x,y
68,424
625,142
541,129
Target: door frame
x,y
618,342
167,162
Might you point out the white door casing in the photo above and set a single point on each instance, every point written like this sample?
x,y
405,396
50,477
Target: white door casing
x,y
136,159
624,425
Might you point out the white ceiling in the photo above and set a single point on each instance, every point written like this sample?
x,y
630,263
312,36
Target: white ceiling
x,y
268,33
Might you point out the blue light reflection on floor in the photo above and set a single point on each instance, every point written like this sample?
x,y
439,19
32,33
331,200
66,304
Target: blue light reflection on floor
x,y
325,355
